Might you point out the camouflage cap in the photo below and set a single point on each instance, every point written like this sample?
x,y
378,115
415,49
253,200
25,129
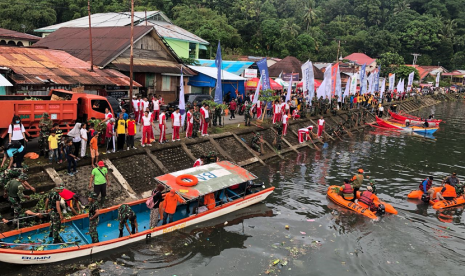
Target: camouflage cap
x,y
258,134
45,114
59,187
23,176
93,195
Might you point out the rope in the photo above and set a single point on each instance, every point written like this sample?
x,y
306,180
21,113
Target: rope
x,y
27,217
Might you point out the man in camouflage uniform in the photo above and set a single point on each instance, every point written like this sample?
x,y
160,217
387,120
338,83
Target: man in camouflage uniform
x,y
14,191
211,157
217,115
45,125
8,175
346,103
53,198
256,143
326,105
315,108
247,115
93,217
321,105
349,119
124,213
196,125
334,105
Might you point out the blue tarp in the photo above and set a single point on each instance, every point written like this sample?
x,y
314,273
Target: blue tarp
x,y
202,80
234,67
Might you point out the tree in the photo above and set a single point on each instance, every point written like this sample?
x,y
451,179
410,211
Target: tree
x,y
389,62
402,6
403,71
310,15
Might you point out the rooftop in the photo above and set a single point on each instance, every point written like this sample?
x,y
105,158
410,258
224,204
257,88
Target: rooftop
x,y
169,30
291,64
212,72
43,66
4,33
360,58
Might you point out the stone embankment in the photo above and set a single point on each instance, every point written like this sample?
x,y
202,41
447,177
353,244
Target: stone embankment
x,y
133,172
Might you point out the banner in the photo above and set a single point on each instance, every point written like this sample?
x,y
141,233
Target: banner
x,y
347,90
250,73
410,81
219,67
438,79
334,71
399,86
263,69
338,85
353,84
257,91
308,80
362,79
364,84
392,80
383,87
287,76
377,78
321,91
289,89
327,78
371,79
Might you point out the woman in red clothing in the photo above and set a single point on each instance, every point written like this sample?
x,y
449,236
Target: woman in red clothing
x,y
232,109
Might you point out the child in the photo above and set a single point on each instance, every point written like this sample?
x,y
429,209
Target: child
x,y
94,149
60,138
131,132
53,147
69,151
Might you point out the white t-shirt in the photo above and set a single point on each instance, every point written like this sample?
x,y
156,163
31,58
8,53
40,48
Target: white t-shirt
x,y
321,122
176,119
161,117
286,106
84,133
285,118
381,108
156,105
135,104
16,132
108,115
191,117
206,113
77,139
277,108
146,105
147,121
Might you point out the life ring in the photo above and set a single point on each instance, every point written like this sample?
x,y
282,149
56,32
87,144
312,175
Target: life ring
x,y
193,180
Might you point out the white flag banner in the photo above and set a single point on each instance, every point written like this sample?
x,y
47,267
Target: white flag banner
x,y
338,85
320,92
308,80
383,88
347,90
371,84
410,81
363,86
353,84
289,89
438,79
327,78
399,86
257,91
392,82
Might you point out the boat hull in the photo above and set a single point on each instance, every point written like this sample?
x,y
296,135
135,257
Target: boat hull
x,y
412,118
336,198
51,256
442,204
401,127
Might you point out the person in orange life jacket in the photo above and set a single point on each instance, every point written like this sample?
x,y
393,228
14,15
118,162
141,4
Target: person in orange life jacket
x,y
366,199
426,186
169,205
131,132
199,162
176,124
162,127
209,201
347,190
147,124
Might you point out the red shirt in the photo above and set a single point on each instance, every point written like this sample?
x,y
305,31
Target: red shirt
x,y
190,118
232,106
109,131
132,128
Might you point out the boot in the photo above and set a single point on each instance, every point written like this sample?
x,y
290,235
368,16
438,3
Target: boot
x,y
102,202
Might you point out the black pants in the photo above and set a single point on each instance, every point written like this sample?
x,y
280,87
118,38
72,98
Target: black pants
x,y
130,141
120,141
71,162
77,148
232,114
101,189
355,193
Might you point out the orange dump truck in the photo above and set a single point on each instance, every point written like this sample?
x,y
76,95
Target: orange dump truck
x,y
64,107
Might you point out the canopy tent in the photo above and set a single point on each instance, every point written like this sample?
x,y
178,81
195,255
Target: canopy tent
x,y
252,84
207,78
281,82
212,178
317,84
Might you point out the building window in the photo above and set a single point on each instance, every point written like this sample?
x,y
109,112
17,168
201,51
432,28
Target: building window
x,y
192,50
166,83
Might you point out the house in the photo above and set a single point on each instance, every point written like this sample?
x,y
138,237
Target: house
x,y
205,81
457,77
291,64
35,71
12,38
182,42
426,71
359,59
155,66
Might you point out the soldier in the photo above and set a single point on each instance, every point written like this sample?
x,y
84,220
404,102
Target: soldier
x,y
8,175
217,115
211,157
349,119
93,216
124,213
346,103
45,125
334,105
256,143
321,105
247,115
196,125
53,198
326,105
14,191
314,109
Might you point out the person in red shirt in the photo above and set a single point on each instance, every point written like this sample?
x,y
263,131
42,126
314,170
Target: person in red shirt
x,y
147,124
162,127
199,162
176,124
295,114
131,132
232,109
258,105
321,126
190,122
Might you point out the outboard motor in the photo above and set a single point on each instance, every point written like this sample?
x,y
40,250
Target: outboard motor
x,y
381,210
425,198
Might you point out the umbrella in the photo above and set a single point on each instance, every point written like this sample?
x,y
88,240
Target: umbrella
x,y
252,84
317,84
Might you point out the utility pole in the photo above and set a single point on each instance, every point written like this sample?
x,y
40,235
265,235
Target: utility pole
x,y
415,58
131,57
338,49
90,39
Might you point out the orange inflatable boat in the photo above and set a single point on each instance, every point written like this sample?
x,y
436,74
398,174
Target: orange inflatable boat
x,y
416,194
337,198
441,204
387,207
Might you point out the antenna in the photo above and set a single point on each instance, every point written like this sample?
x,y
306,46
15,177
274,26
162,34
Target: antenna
x,y
415,58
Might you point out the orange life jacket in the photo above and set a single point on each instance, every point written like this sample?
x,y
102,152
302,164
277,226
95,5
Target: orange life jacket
x,y
170,203
366,199
449,191
209,201
348,192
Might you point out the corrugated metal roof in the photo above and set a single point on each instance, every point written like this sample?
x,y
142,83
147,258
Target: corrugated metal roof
x,y
152,66
109,19
168,30
235,67
44,66
212,72
291,64
360,58
107,42
4,33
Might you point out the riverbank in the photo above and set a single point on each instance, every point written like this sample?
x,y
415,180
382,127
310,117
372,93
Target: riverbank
x,y
132,172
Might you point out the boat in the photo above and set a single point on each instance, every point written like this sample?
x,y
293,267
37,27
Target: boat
x,y
402,127
387,207
413,119
334,196
32,245
438,204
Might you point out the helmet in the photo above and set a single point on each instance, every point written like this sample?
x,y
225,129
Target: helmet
x,y
93,195
360,170
45,115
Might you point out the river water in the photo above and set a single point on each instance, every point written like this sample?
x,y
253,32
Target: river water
x,y
322,239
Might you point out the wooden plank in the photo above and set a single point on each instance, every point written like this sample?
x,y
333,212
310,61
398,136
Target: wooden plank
x,y
157,162
54,176
120,178
247,148
188,152
220,149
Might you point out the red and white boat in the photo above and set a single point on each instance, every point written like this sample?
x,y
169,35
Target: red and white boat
x,y
32,245
417,121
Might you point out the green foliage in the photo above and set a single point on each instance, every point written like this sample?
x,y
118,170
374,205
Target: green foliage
x,y
214,105
189,61
389,63
403,71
